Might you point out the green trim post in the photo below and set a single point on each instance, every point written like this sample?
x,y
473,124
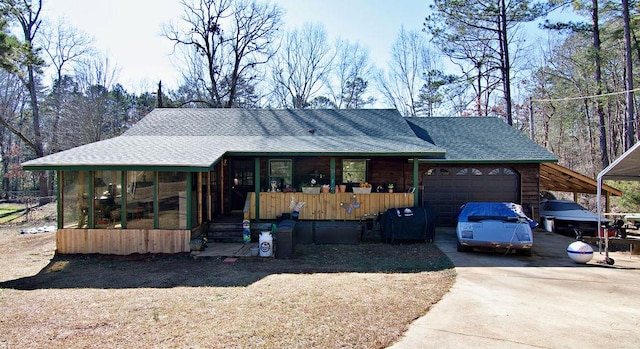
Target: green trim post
x,y
91,198
59,206
416,182
256,184
123,202
189,194
332,166
156,220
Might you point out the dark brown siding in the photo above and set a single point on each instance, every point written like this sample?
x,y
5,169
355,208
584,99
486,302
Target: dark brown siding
x,y
400,172
530,188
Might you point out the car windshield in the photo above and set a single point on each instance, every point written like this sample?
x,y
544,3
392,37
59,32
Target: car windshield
x,y
562,206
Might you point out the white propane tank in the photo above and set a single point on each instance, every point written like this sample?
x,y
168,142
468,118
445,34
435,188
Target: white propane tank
x,y
265,243
580,252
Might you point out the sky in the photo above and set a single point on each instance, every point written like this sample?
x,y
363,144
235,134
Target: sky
x,y
128,31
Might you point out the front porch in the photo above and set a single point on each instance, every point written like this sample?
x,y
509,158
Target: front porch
x,y
323,206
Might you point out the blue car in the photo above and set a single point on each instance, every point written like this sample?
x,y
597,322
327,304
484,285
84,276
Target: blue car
x,y
495,225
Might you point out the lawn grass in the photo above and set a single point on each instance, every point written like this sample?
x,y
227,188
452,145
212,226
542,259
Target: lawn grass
x,y
9,213
327,296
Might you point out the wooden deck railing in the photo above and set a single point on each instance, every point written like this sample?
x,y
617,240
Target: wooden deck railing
x,y
326,206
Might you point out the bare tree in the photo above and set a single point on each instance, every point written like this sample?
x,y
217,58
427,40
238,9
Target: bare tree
x,y
630,134
26,14
97,106
350,76
232,38
13,99
97,70
302,66
62,45
408,72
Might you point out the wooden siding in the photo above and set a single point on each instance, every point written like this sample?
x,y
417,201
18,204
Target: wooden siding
x,y
530,188
326,206
122,241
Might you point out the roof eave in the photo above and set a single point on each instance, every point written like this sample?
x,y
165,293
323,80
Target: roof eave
x,y
137,167
336,153
488,161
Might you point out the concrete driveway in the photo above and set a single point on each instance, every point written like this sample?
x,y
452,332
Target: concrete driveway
x,y
542,301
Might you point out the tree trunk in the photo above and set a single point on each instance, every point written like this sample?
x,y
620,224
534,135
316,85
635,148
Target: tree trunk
x,y
629,76
505,66
604,157
37,141
479,99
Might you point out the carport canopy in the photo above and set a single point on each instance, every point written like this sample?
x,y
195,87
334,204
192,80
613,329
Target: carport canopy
x,y
624,168
554,177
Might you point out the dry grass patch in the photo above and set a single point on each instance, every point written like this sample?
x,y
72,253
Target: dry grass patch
x,y
328,296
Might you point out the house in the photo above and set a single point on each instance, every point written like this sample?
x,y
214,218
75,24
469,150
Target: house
x,y
161,182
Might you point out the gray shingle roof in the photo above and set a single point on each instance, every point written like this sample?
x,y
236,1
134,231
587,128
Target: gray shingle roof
x,y
200,137
381,123
479,139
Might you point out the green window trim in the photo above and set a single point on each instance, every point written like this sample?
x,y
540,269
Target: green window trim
x,y
355,170
280,171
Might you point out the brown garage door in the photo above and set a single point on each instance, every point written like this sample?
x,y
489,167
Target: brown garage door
x,y
448,188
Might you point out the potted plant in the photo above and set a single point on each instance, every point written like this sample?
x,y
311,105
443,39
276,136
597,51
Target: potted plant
x,y
390,187
362,188
326,188
311,187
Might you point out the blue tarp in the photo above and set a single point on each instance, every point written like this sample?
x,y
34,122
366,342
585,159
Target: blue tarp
x,y
474,211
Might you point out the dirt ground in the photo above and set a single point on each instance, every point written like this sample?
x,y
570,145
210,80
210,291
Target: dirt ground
x,y
354,296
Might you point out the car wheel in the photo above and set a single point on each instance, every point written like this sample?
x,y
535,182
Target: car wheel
x,y
462,248
526,252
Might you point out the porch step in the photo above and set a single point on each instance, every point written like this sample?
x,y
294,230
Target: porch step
x,y
232,231
225,232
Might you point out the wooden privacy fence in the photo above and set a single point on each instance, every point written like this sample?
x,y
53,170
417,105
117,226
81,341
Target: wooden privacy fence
x,y
326,206
122,241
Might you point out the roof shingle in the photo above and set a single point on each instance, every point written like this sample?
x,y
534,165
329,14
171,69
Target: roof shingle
x,y
479,139
200,137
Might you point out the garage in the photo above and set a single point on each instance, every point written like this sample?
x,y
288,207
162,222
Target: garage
x,y
447,188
